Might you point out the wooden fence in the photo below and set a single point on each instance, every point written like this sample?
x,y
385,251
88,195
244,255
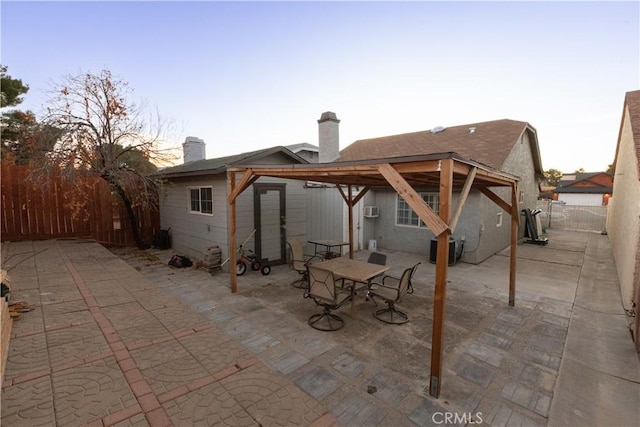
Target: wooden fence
x,y
55,209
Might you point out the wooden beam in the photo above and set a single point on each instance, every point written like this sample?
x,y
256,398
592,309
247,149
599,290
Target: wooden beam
x,y
515,216
344,196
495,198
463,199
350,204
231,183
442,265
246,180
499,178
417,167
364,191
435,223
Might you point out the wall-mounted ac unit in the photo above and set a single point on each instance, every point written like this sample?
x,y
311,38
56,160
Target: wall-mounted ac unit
x,y
371,211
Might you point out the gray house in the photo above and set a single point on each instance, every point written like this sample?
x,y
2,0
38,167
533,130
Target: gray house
x,y
483,229
194,204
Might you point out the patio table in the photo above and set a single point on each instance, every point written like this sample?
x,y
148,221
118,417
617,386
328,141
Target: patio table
x,y
354,270
328,244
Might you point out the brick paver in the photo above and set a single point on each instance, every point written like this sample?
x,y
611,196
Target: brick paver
x,y
109,345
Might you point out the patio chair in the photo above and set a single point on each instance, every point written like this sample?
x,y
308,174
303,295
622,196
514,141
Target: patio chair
x,y
377,258
391,290
413,271
298,261
323,289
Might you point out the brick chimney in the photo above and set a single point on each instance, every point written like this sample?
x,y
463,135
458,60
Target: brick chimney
x,y
193,149
328,137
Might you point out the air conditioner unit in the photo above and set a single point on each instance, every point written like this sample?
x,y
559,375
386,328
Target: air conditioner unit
x,y
371,211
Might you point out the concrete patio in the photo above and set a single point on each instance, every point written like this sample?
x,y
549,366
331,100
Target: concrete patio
x,y
119,338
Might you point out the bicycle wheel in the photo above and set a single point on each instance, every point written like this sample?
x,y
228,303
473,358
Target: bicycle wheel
x,y
241,267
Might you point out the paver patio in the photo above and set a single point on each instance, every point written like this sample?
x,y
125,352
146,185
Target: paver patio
x,y
119,338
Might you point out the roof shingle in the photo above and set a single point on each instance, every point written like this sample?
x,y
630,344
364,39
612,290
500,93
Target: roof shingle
x,y
488,143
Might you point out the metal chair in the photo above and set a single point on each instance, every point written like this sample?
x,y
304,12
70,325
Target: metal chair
x,y
298,261
324,291
413,271
377,258
391,290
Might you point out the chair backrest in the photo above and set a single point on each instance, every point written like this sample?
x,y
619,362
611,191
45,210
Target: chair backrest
x,y
405,281
322,285
297,255
377,258
413,271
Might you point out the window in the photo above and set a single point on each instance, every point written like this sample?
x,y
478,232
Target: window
x,y
406,216
499,220
201,200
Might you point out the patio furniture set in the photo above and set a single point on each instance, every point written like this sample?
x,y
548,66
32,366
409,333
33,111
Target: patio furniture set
x,y
332,280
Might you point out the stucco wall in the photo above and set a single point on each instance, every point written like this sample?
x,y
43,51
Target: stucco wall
x,y
623,218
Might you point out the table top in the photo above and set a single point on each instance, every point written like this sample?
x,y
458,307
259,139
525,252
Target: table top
x,y
351,269
328,242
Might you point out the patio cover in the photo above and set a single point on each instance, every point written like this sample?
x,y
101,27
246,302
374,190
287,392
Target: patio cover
x,y
443,170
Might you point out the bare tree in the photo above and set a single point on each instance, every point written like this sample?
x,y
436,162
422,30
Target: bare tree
x,y
105,134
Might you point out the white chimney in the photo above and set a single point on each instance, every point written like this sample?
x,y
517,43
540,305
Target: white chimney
x,y
193,149
328,137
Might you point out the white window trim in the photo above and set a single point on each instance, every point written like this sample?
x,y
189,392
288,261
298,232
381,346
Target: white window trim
x,y
420,223
499,219
199,188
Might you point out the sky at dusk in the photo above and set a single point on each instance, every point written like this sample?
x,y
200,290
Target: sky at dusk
x,y
251,75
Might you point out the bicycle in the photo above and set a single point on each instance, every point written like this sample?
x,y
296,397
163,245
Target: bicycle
x,y
248,257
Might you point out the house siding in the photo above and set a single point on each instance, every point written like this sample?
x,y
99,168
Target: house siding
x,y
193,233
324,214
623,219
390,236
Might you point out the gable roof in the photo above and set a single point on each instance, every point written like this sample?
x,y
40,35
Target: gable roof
x,y
488,143
304,146
632,106
220,164
588,182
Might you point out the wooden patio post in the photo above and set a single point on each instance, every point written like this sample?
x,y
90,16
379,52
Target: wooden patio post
x,y
350,205
231,220
442,265
515,217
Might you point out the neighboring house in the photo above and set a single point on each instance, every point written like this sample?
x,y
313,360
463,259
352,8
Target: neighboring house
x,y
623,219
585,189
194,204
506,145
307,151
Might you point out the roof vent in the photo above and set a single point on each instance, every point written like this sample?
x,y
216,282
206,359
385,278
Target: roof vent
x,y
437,129
472,130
